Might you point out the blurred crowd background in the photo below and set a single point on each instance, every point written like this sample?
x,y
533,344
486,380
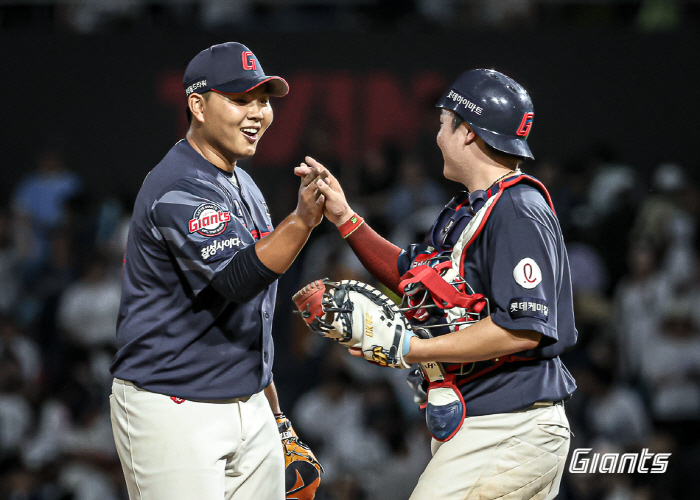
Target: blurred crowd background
x,y
87,17
624,181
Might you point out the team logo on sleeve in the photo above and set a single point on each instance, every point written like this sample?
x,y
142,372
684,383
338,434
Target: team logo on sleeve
x,y
209,220
527,273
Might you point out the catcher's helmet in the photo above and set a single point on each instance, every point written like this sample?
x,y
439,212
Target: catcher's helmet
x,y
497,108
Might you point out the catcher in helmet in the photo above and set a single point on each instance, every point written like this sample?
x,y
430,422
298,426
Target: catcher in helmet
x,y
493,276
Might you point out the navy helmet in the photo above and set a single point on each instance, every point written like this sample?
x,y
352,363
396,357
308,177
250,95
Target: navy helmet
x,y
498,109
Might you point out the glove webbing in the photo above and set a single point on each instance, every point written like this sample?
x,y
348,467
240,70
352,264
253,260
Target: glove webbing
x,y
340,293
304,456
359,287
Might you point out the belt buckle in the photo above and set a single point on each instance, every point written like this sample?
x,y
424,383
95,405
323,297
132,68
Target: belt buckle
x,y
541,404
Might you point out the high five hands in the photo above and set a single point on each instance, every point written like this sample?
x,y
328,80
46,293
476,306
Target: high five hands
x,y
310,201
329,197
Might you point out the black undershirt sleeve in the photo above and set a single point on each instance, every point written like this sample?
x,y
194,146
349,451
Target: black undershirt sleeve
x,y
244,277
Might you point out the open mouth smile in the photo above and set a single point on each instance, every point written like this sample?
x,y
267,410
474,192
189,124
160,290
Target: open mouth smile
x,y
250,133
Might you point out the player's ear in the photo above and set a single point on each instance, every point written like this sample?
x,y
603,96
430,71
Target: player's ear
x,y
196,103
470,135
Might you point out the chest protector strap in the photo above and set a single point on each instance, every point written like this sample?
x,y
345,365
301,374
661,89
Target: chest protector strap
x,y
496,192
444,380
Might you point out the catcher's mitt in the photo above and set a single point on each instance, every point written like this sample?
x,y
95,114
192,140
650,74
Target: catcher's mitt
x,y
302,472
357,315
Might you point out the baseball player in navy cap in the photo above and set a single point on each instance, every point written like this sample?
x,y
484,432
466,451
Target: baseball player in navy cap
x,y
189,410
487,305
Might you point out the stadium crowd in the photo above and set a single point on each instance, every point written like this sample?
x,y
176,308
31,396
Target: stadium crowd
x,y
633,248
361,16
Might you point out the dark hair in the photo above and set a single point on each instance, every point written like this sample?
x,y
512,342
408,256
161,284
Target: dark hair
x,y
456,121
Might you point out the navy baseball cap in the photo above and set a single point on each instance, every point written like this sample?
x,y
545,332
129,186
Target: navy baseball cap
x,y
229,67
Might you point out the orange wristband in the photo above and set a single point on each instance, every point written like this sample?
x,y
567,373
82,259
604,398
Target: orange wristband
x,y
350,226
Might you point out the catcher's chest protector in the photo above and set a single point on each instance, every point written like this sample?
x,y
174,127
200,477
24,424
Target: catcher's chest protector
x,y
445,407
478,221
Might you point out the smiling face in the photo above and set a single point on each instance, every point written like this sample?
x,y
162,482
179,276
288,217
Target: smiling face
x,y
452,144
230,125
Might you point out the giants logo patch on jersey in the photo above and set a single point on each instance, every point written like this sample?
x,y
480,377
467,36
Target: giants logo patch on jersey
x,y
209,220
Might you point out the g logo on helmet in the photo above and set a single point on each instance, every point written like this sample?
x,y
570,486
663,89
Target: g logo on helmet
x,y
525,125
209,220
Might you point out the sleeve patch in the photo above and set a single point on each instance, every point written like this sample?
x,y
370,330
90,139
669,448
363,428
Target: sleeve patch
x,y
527,273
209,220
220,246
528,307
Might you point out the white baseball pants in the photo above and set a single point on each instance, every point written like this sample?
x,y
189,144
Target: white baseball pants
x,y
507,456
215,450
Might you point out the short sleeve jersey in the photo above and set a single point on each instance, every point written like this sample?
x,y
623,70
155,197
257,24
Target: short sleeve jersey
x,y
176,335
520,263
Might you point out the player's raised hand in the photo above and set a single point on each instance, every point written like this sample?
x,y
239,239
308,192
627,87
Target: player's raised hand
x,y
336,208
310,200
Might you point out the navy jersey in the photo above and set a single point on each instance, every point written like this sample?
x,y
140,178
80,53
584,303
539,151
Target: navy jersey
x,y
175,334
520,263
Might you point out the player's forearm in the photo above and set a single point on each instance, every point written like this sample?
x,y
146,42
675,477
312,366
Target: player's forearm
x,y
244,277
278,249
378,255
271,394
481,341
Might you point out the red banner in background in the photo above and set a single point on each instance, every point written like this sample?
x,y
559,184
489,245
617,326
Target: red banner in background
x,y
340,113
